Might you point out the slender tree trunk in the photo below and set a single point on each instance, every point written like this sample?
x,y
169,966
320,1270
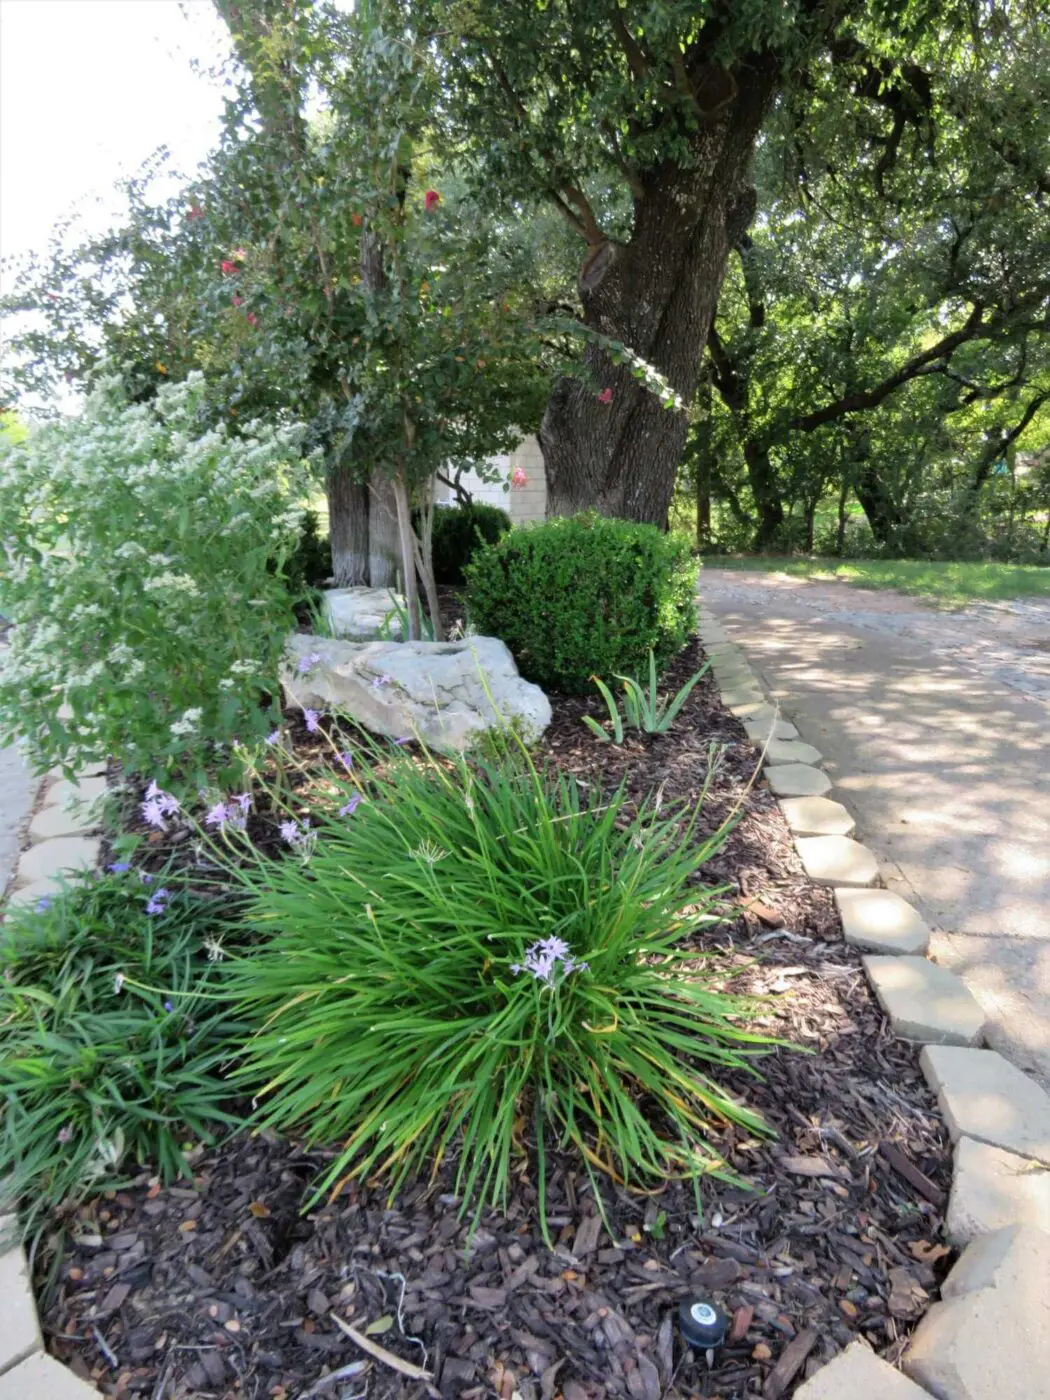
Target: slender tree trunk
x,y
403,520
840,535
883,514
656,294
384,538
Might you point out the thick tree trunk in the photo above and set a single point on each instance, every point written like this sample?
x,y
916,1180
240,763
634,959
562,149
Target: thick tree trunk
x,y
768,502
347,527
884,515
656,294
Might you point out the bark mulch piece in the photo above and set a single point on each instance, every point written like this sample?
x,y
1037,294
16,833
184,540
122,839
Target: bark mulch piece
x,y
224,1287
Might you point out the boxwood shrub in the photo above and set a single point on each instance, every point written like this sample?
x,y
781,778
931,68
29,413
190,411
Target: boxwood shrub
x,y
584,596
456,537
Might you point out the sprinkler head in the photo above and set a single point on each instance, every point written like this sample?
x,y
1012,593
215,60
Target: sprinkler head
x,y
702,1325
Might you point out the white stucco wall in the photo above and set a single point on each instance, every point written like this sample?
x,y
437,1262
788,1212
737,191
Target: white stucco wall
x,y
522,503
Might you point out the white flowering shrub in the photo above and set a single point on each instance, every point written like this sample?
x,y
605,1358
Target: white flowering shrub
x,y
144,572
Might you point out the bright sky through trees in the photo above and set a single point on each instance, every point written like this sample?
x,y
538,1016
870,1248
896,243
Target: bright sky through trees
x,y
89,89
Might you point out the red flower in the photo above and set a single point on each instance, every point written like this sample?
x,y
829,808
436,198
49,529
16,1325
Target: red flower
x,y
431,200
605,396
252,319
195,211
355,219
238,300
229,268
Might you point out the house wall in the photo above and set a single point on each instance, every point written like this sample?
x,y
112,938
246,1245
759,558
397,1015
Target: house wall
x,y
522,503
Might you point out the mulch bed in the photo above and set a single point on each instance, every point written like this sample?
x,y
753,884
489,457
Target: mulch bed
x,y
225,1287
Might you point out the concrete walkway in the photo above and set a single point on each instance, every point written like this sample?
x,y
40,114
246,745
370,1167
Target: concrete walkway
x,y
933,726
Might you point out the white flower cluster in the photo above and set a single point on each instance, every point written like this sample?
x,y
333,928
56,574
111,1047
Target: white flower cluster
x,y
103,517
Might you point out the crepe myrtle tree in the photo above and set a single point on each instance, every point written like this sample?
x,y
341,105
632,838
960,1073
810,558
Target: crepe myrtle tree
x,y
638,122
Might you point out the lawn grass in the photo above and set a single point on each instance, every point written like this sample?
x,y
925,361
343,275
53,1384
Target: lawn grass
x,y
949,584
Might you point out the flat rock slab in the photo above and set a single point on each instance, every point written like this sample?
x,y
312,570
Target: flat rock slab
x,y
755,708
858,1374
984,1096
742,695
797,780
42,1378
54,821
816,816
836,860
881,922
52,858
32,894
791,751
19,1330
989,1339
67,794
992,1189
925,1002
758,733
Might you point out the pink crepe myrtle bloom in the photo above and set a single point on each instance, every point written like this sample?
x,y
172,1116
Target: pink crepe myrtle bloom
x,y
195,211
606,396
431,200
229,268
518,478
252,319
238,300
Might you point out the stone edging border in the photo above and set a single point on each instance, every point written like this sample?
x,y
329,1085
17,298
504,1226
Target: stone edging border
x,y
59,844
994,1301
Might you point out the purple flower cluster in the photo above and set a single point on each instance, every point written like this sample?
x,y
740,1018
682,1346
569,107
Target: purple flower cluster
x,y
384,679
312,720
543,960
307,663
158,901
232,813
157,806
274,737
295,834
351,807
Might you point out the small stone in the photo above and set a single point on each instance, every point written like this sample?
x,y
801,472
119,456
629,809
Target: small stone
x,y
925,1002
741,695
19,1330
361,614
40,1377
792,751
858,1374
992,1189
989,1339
816,816
758,733
881,922
52,858
797,780
983,1096
836,860
50,822
65,794
755,708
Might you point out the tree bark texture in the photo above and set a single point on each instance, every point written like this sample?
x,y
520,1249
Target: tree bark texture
x,y
656,294
347,527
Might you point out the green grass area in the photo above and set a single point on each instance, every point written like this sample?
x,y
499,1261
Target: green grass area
x,y
948,584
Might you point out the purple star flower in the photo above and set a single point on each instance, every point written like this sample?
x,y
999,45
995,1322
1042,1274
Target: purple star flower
x,y
64,1133
43,903
307,663
351,807
157,901
290,832
169,1006
119,867
218,816
384,679
542,959
274,737
347,759
311,718
243,800
152,814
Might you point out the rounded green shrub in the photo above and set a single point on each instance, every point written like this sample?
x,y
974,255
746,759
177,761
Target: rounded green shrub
x,y
585,596
459,531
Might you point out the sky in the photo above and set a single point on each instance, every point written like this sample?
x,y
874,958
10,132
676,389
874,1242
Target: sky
x,y
89,89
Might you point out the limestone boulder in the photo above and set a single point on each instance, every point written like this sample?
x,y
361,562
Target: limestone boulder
x,y
361,614
446,694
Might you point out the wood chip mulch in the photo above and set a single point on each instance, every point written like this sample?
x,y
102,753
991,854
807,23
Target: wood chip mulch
x,y
224,1287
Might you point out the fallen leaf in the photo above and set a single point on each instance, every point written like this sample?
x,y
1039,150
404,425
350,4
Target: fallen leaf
x,y
760,1352
381,1325
927,1252
257,1209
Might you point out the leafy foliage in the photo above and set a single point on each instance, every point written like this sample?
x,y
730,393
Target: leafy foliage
x,y
144,571
477,946
115,1034
584,596
458,531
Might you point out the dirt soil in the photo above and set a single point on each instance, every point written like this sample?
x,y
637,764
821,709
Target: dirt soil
x,y
226,1287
